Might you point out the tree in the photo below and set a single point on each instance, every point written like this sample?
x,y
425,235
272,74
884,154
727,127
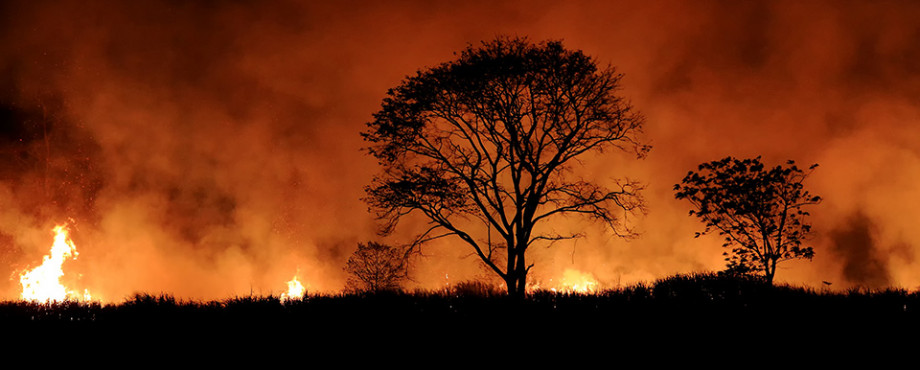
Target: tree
x,y
376,267
758,210
483,148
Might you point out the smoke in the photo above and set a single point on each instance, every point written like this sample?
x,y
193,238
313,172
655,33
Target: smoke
x,y
863,263
211,149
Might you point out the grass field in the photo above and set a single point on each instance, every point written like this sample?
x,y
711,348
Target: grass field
x,y
697,309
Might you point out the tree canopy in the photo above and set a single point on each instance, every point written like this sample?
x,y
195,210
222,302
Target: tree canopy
x,y
483,147
758,210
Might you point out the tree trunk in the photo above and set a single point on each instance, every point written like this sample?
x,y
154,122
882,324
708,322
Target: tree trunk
x,y
521,270
516,279
770,271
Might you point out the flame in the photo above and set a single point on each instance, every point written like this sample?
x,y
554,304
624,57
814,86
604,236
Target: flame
x,y
574,281
43,283
296,290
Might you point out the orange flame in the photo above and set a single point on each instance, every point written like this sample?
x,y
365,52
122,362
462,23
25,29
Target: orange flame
x,y
573,281
296,290
43,283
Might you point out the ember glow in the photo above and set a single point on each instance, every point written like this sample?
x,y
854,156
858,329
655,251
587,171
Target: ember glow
x,y
43,283
576,282
570,281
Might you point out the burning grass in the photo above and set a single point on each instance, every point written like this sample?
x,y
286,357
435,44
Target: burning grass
x,y
680,298
698,312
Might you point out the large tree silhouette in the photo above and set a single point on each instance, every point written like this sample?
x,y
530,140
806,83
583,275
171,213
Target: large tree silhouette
x,y
758,210
483,148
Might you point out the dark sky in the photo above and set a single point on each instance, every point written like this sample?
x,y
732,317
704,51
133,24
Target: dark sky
x,y
212,148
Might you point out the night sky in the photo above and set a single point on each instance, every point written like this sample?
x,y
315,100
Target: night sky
x,y
210,149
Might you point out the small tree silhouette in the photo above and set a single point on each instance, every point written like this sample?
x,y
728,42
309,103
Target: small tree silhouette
x,y
757,210
376,267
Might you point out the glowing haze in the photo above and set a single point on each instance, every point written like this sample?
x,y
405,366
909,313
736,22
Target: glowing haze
x,y
207,149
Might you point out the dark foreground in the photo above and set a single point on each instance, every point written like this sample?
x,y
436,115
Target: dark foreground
x,y
688,312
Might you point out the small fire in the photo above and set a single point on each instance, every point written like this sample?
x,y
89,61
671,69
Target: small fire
x,y
295,290
574,281
43,283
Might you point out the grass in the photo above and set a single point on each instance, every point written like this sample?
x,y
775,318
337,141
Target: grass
x,y
701,306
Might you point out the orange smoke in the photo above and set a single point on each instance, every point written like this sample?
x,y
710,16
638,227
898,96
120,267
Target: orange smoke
x,y
208,149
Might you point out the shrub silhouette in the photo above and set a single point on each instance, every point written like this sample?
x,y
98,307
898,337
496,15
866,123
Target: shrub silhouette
x,y
377,267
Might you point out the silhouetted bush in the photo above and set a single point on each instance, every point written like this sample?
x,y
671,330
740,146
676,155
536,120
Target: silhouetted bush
x,y
377,267
709,287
